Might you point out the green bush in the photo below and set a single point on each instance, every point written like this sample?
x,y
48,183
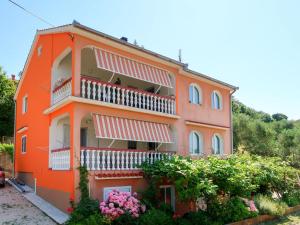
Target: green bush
x,y
93,219
9,148
226,211
126,219
291,198
86,207
267,205
155,217
200,217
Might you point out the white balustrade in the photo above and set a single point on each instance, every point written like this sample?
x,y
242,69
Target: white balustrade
x,y
62,91
114,159
111,93
60,159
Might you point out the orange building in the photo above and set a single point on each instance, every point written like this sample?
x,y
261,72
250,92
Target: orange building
x,y
91,99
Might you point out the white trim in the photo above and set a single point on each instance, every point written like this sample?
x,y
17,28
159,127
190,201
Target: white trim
x,y
21,130
69,99
199,124
201,143
212,98
106,189
199,89
24,136
221,144
173,198
25,104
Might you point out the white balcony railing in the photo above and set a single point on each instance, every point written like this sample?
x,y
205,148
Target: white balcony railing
x,y
106,92
118,159
62,91
60,159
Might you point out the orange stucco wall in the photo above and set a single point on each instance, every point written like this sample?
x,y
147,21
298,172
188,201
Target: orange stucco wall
x,y
37,86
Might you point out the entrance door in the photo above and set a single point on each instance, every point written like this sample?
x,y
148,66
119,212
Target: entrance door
x,y
83,137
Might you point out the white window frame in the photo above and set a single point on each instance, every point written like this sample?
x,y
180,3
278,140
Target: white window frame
x,y
107,190
221,144
213,100
25,104
23,151
173,198
191,142
192,95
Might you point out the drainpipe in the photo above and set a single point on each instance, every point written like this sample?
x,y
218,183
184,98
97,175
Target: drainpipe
x,y
231,122
15,111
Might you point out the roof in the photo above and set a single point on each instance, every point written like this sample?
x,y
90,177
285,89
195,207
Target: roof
x,y
183,65
75,24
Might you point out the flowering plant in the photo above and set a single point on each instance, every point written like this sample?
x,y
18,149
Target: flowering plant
x,y
119,203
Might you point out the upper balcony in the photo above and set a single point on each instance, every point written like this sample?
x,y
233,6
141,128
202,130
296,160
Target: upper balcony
x,y
116,80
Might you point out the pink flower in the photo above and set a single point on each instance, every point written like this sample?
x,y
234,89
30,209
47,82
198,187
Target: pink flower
x,y
252,206
119,203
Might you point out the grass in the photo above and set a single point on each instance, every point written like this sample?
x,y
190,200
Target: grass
x,y
292,219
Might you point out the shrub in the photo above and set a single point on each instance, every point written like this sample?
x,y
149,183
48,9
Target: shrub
x,y
86,207
199,217
229,210
155,217
119,203
94,219
125,219
291,198
267,205
9,148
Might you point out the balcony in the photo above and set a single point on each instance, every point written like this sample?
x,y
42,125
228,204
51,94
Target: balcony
x,y
95,89
118,159
60,159
62,91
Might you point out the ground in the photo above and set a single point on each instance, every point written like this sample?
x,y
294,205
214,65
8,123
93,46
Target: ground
x,y
293,219
16,210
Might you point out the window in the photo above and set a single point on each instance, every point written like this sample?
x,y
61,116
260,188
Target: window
x,y
132,144
195,94
217,144
24,104
167,195
196,143
23,142
107,190
216,100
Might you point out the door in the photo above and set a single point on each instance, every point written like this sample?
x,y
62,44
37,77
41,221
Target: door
x,y
83,137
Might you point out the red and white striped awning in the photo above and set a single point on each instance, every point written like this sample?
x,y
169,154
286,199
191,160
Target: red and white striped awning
x,y
127,129
128,67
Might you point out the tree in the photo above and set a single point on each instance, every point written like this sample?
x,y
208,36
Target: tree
x,y
7,91
279,116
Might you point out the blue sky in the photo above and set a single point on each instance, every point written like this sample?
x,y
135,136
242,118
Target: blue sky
x,y
251,44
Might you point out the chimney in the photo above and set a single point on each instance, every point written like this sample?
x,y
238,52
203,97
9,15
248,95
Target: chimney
x,y
124,39
13,77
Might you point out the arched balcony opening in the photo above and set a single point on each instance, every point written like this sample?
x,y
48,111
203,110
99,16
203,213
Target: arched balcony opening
x,y
59,147
61,76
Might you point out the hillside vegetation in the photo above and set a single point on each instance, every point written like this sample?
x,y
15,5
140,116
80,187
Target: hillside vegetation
x,y
263,134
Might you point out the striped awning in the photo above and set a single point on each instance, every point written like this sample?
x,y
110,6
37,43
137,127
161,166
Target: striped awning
x,y
128,67
127,129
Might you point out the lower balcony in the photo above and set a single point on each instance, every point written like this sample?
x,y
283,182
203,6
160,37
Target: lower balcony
x,y
60,159
118,159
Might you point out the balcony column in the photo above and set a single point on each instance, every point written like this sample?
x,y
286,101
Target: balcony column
x,y
76,67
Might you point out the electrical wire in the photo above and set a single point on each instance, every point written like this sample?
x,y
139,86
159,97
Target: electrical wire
x,y
32,14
